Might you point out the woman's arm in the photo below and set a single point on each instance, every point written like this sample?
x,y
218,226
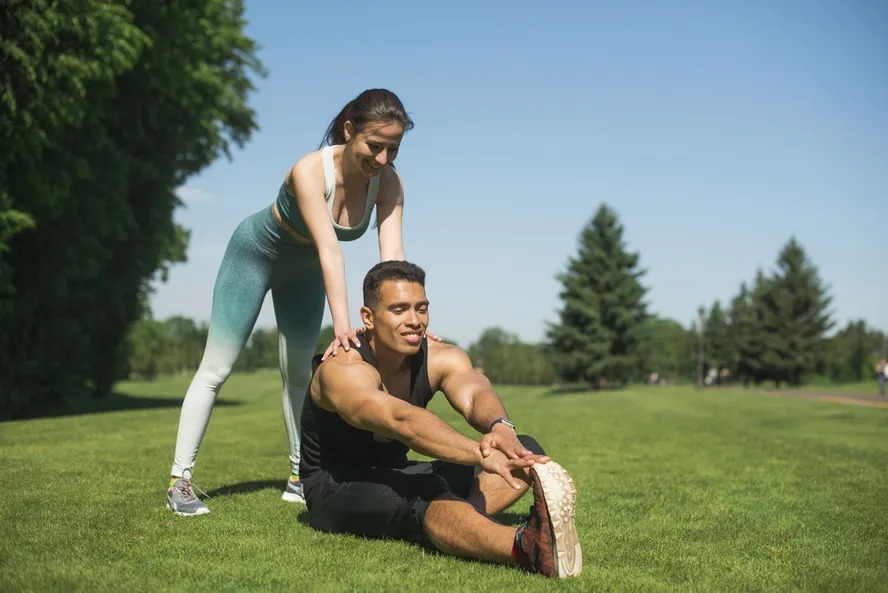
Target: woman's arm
x,y
306,181
389,214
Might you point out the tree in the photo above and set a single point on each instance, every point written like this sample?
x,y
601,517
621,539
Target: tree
x,y
852,353
107,108
795,318
147,345
718,341
506,360
262,351
597,338
746,334
665,347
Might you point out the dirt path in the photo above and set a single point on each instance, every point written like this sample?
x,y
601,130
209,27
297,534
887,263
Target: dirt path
x,y
854,399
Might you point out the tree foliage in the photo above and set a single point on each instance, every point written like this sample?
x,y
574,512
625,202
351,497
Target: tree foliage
x,y
597,338
718,348
852,353
107,107
666,348
794,315
507,360
778,328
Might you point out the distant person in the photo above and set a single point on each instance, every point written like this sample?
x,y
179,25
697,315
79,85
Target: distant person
x,y
292,248
882,373
366,408
711,377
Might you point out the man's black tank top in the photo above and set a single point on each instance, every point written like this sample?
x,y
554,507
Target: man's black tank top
x,y
328,440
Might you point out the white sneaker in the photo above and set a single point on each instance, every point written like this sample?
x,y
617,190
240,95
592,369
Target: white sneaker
x,y
293,492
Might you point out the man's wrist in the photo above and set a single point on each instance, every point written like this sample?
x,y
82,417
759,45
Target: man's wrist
x,y
501,421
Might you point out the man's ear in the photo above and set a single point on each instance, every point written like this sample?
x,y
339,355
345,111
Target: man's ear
x,y
367,317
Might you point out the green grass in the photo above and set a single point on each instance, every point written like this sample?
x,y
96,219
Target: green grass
x,y
678,491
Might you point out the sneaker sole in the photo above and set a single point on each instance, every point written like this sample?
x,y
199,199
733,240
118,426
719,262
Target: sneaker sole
x,y
198,512
561,501
291,497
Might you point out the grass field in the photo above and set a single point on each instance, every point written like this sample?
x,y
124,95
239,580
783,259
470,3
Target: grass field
x,y
678,491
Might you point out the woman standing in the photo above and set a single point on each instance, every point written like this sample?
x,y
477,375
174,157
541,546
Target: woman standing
x,y
292,248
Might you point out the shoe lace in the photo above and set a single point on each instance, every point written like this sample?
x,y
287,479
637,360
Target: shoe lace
x,y
187,489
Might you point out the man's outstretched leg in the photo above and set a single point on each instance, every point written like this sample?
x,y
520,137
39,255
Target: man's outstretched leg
x,y
547,542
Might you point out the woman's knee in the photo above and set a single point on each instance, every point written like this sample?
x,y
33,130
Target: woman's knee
x,y
213,375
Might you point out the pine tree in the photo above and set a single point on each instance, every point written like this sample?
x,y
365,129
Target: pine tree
x,y
718,342
745,334
795,318
598,335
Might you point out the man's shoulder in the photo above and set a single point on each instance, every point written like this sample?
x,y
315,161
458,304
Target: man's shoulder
x,y
444,358
345,366
443,349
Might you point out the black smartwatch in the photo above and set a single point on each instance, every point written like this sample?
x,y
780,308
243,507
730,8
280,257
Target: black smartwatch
x,y
505,421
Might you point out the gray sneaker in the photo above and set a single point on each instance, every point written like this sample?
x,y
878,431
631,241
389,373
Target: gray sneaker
x,y
182,500
293,492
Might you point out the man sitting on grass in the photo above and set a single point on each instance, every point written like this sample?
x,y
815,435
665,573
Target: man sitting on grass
x,y
366,408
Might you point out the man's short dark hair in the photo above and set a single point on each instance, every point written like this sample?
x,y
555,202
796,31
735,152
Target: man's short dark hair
x,y
389,270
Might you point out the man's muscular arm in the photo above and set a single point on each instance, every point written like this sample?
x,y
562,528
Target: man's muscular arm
x,y
351,388
470,394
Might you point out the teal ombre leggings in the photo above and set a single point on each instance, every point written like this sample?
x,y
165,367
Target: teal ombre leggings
x,y
260,257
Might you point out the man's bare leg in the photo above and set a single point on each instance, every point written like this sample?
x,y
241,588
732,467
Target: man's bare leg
x,y
491,494
455,527
545,545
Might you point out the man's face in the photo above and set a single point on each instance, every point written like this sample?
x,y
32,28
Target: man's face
x,y
400,318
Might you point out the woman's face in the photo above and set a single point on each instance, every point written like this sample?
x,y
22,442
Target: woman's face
x,y
375,146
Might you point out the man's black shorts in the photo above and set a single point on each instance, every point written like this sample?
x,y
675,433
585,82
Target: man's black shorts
x,y
383,502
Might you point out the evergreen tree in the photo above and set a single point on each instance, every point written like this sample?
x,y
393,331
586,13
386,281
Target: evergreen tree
x,y
718,351
795,318
745,334
597,338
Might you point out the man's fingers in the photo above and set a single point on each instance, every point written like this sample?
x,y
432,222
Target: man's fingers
x,y
510,479
485,444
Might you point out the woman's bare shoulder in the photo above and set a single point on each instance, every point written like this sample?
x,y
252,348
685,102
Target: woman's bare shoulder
x,y
308,168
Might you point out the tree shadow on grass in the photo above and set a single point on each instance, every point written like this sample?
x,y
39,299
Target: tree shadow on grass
x,y
247,487
116,402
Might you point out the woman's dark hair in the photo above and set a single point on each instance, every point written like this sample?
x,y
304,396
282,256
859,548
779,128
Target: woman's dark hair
x,y
371,106
389,270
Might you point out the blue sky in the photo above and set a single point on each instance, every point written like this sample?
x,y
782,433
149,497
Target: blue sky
x,y
716,131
